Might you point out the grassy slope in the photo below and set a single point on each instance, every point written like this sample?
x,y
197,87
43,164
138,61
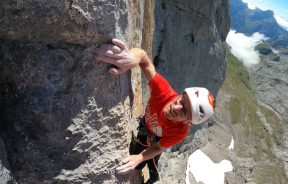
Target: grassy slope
x,y
252,139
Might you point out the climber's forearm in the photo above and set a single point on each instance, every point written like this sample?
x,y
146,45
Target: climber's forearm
x,y
151,152
131,162
145,62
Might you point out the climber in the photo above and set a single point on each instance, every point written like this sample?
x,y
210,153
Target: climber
x,y
168,114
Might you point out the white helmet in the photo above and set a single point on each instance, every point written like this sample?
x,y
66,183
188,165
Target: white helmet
x,y
202,104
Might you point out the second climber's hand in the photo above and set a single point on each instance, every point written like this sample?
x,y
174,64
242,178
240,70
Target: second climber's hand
x,y
118,55
130,163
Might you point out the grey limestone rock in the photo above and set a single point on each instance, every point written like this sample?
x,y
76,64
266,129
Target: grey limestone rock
x,y
189,42
64,119
5,170
72,21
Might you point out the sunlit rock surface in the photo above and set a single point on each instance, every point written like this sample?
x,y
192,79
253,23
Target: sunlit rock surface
x,y
63,118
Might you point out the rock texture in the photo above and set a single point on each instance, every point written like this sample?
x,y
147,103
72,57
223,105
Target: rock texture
x,y
189,50
189,42
63,118
5,170
271,82
77,22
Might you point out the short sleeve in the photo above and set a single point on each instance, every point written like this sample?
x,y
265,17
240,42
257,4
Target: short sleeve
x,y
174,137
160,86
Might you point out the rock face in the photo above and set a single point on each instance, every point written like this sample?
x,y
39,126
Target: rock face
x,y
5,171
189,42
63,118
189,50
77,22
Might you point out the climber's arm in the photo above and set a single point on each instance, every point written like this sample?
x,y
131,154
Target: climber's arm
x,y
124,59
132,161
145,63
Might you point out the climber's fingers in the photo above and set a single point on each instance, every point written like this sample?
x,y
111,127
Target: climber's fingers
x,y
119,43
111,47
116,54
109,53
116,71
127,160
130,163
106,59
124,169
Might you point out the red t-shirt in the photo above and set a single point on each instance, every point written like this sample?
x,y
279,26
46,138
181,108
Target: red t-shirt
x,y
171,132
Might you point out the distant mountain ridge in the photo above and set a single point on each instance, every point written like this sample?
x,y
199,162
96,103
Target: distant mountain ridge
x,y
248,21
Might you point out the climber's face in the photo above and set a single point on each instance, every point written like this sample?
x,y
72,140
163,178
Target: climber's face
x,y
179,109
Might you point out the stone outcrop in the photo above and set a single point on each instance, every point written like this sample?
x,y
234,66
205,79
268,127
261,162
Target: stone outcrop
x,y
63,118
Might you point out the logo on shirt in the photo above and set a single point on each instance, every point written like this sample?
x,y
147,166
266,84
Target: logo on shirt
x,y
152,122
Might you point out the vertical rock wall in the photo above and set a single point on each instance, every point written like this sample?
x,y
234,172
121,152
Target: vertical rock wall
x,y
189,42
189,50
63,118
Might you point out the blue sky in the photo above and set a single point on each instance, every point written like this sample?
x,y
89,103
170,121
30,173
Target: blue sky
x,y
280,7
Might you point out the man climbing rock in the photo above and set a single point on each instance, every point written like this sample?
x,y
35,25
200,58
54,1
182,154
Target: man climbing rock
x,y
168,114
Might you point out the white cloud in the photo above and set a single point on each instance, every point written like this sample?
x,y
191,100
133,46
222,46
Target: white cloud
x,y
251,5
281,21
243,47
205,170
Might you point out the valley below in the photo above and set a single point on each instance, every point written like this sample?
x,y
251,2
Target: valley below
x,y
254,104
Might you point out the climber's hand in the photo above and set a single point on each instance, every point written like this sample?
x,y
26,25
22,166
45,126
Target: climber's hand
x,y
117,55
130,163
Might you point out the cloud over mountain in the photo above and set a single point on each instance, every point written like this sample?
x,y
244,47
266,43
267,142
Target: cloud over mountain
x,y
243,47
281,21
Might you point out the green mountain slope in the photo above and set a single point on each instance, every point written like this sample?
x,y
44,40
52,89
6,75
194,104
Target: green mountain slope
x,y
257,130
